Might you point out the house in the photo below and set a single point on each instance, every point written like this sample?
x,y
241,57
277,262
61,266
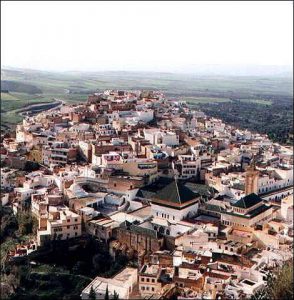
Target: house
x,y
187,166
152,278
59,223
170,199
156,136
121,284
247,212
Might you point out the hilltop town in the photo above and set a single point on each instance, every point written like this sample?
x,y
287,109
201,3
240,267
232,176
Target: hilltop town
x,y
197,207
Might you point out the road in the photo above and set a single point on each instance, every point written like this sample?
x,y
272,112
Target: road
x,y
37,108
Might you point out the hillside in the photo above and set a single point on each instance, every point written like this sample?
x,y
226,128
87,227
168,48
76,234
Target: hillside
x,y
19,87
266,100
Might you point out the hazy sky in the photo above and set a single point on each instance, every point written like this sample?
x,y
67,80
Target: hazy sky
x,y
157,36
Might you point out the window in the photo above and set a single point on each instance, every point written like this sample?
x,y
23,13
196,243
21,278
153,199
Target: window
x,y
153,280
152,289
147,280
76,233
142,279
143,288
147,288
67,226
76,220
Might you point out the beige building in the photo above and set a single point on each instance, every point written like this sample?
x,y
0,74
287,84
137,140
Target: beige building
x,y
141,167
149,280
102,228
59,223
121,284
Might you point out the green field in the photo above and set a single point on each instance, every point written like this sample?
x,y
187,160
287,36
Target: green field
x,y
192,100
257,101
14,101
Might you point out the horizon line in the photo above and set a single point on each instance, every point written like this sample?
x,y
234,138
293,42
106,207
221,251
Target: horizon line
x,y
288,69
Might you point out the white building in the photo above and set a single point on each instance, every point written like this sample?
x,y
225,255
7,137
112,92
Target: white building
x,y
145,115
123,284
156,136
37,179
214,125
287,208
274,179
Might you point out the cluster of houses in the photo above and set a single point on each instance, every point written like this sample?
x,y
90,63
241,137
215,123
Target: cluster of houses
x,y
205,209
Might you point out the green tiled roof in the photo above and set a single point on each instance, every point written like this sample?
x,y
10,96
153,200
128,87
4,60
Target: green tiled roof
x,y
201,189
252,213
258,210
176,192
248,201
167,189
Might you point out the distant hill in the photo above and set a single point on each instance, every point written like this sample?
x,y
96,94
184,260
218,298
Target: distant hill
x,y
19,87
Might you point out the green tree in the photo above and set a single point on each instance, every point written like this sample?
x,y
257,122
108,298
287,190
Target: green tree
x,y
92,294
279,285
26,223
83,225
115,296
106,297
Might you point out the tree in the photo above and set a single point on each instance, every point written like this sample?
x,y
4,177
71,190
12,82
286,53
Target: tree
x,y
106,297
92,294
115,296
279,285
83,225
26,223
102,262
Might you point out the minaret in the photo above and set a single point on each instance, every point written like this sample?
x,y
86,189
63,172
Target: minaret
x,y
251,180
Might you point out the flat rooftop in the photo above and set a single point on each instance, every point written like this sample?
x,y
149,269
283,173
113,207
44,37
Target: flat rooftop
x,y
150,270
143,212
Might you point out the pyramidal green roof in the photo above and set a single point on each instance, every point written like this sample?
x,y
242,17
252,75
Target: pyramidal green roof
x,y
175,192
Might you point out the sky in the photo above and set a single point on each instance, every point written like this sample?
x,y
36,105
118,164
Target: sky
x,y
146,36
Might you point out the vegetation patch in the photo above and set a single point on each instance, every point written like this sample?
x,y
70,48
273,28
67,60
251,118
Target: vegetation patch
x,y
192,100
18,86
257,101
